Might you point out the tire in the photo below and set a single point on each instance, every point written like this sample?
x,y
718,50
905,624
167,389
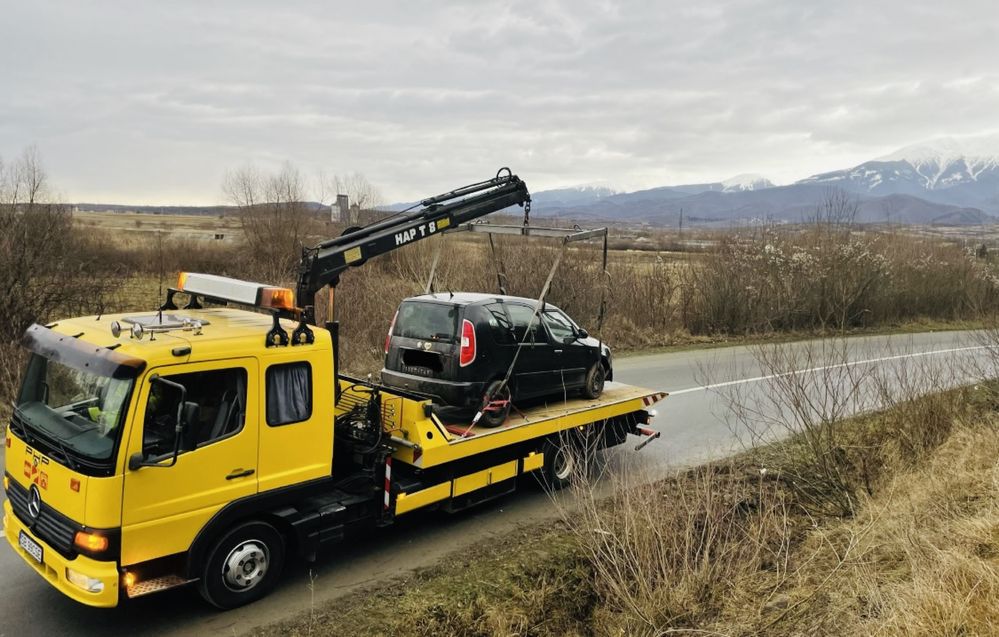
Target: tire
x,y
495,418
559,464
595,377
257,550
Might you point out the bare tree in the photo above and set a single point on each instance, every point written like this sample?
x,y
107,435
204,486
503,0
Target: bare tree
x,y
275,217
46,267
837,210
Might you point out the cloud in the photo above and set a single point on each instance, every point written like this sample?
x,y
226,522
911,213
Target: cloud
x,y
154,102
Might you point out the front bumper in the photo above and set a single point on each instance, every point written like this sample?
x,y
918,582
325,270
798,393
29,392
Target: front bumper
x,y
448,393
53,570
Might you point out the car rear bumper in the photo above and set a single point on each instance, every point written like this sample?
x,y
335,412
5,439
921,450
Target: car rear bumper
x,y
54,566
450,393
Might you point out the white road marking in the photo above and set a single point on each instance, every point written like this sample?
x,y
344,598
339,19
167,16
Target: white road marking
x,y
819,369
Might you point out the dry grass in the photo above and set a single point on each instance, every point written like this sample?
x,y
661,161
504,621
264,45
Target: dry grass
x,y
923,553
726,549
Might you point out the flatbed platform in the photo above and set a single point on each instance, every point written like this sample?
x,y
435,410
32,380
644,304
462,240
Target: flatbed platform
x,y
424,440
614,393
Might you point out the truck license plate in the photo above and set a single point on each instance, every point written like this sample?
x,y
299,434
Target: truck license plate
x,y
34,549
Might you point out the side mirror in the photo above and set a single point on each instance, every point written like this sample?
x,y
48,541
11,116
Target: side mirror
x,y
581,333
184,408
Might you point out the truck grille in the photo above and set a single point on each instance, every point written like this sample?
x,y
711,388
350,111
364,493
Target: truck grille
x,y
52,527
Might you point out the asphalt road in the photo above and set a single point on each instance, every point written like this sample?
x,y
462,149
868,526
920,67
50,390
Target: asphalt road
x,y
694,425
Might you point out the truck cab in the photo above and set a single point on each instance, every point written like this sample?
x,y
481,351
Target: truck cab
x,y
122,450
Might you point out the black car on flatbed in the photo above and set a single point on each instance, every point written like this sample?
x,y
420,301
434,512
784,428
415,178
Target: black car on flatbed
x,y
457,348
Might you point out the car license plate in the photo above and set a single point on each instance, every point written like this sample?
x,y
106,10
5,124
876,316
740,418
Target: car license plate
x,y
33,548
418,371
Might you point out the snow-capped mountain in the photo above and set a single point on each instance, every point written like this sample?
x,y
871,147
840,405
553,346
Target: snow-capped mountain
x,y
746,181
955,170
572,195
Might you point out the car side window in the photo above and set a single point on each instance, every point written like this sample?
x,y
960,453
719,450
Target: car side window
x,y
522,316
500,324
214,407
289,393
559,325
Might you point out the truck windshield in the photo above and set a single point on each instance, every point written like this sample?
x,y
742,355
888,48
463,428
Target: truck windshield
x,y
74,412
427,321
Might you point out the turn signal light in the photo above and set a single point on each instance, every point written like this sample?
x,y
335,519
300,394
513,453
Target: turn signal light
x,y
74,484
129,579
90,542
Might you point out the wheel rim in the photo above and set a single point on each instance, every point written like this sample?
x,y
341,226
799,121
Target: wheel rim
x,y
563,464
245,566
598,381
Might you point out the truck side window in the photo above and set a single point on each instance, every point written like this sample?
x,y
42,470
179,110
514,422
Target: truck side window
x,y
215,408
289,393
522,316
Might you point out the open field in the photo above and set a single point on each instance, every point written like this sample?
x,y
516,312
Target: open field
x,y
147,225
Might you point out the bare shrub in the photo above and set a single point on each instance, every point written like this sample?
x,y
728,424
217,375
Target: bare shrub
x,y
807,393
666,555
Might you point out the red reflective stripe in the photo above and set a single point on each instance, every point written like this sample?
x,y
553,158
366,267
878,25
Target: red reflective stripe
x,y
388,480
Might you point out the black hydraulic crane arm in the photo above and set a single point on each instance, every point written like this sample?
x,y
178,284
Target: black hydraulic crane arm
x,y
323,264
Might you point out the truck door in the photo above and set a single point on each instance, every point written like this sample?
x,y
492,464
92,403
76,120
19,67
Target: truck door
x,y
164,507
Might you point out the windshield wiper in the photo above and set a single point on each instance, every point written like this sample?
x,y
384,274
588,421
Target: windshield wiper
x,y
65,453
32,436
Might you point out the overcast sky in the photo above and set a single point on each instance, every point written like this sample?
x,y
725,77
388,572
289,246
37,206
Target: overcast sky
x,y
152,102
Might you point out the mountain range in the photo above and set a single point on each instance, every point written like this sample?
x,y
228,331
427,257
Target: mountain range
x,y
951,181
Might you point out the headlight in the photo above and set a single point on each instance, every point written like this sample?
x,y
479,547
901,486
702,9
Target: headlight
x,y
80,580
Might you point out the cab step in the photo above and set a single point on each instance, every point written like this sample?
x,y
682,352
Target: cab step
x,y
155,585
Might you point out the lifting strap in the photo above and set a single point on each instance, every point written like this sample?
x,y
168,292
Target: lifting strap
x,y
500,268
433,267
535,317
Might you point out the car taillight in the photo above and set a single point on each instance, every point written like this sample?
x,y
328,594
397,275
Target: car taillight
x,y
388,337
467,353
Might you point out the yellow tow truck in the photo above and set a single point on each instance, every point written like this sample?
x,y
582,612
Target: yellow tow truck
x,y
207,444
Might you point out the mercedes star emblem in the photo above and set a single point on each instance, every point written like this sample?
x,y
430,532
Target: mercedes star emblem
x,y
34,502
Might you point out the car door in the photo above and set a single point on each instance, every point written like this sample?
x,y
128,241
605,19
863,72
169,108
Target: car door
x,y
570,355
533,370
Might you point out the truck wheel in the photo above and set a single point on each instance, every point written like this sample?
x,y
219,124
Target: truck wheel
x,y
495,412
560,464
244,565
595,380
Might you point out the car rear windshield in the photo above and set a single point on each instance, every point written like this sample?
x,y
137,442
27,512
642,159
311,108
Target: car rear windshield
x,y
427,321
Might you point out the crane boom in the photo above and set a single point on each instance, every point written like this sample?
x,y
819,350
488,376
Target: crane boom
x,y
323,264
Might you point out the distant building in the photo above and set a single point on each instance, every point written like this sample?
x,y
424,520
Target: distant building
x,y
340,211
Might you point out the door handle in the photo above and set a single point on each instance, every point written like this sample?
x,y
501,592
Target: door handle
x,y
239,473
558,351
